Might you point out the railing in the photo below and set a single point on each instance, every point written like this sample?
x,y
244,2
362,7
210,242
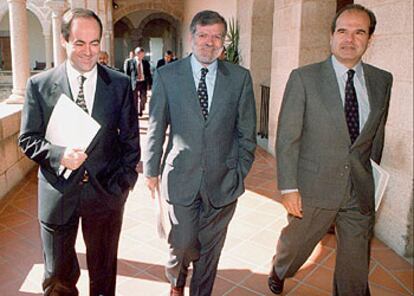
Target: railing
x,y
264,112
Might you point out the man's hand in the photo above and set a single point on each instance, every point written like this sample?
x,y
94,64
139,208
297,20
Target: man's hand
x,y
73,158
292,202
152,184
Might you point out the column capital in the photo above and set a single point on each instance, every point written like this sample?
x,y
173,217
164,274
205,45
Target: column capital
x,y
17,1
57,6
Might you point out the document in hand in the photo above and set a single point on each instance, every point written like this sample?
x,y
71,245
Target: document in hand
x,y
381,178
70,126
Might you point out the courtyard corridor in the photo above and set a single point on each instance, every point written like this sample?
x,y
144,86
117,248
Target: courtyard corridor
x,y
244,264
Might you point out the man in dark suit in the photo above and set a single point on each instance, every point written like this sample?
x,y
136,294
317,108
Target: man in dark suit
x,y
210,109
166,59
101,177
331,125
141,79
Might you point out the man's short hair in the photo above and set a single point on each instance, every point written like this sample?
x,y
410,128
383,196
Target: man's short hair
x,y
205,18
74,13
169,52
356,7
138,50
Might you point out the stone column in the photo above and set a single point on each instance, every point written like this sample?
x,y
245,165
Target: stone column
x,y
48,49
57,7
19,39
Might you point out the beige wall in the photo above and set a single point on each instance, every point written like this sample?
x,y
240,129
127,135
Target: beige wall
x,y
13,164
392,49
227,9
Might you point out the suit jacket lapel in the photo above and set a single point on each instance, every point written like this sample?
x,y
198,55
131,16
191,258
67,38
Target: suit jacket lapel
x,y
60,85
221,84
188,88
100,103
331,98
373,98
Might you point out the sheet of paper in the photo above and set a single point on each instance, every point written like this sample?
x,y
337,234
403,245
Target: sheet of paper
x,y
70,126
381,178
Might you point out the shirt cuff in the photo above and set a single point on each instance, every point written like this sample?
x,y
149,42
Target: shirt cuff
x,y
286,191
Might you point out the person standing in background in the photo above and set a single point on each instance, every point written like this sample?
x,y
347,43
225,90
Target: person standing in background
x,y
138,69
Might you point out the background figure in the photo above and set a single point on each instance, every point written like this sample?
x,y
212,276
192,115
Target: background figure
x,y
166,59
103,59
101,176
330,125
210,109
141,80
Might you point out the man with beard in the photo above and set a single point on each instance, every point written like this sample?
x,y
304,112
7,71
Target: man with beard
x,y
209,108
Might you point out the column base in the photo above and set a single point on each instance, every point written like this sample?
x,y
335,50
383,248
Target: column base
x,y
15,99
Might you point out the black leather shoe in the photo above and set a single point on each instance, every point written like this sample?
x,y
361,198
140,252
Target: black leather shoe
x,y
275,283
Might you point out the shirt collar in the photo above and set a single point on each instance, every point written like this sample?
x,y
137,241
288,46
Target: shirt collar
x,y
197,66
342,70
73,74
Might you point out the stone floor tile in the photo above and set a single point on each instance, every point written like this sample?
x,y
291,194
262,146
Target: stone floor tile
x,y
305,290
221,287
406,278
390,259
383,278
239,291
321,278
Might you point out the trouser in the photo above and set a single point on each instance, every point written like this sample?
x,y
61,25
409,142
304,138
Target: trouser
x,y
353,234
197,235
101,227
140,96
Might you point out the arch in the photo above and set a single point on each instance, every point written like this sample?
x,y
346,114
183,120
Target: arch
x,y
166,8
156,15
42,17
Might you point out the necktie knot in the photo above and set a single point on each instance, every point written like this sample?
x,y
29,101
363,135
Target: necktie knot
x,y
204,72
81,80
351,74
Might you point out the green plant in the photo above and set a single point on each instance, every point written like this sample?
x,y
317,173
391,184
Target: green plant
x,y
232,41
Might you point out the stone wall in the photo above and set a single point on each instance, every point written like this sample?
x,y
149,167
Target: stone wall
x,y
13,164
392,49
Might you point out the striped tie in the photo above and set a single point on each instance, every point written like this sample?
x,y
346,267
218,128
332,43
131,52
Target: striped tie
x,y
80,100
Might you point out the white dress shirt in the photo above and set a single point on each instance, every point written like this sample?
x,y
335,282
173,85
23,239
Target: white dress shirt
x,y
89,86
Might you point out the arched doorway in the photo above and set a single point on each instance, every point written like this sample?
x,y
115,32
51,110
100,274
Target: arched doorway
x,y
155,31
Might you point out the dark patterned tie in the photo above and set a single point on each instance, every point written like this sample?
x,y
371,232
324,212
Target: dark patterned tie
x,y
351,107
80,100
202,93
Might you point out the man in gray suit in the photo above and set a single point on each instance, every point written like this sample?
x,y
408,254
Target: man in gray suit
x,y
209,108
331,124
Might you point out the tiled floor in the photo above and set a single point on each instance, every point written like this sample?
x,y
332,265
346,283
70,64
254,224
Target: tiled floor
x,y
244,264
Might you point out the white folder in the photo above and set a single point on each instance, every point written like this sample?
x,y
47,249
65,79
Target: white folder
x,y
70,126
381,178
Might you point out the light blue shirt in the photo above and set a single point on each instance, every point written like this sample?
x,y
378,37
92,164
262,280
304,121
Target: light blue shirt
x,y
360,88
210,77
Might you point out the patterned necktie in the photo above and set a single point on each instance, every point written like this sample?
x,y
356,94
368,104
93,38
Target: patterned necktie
x,y
202,93
351,107
80,100
140,77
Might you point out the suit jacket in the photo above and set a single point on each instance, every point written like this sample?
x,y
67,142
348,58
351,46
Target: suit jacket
x,y
217,153
130,69
160,63
314,151
112,155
